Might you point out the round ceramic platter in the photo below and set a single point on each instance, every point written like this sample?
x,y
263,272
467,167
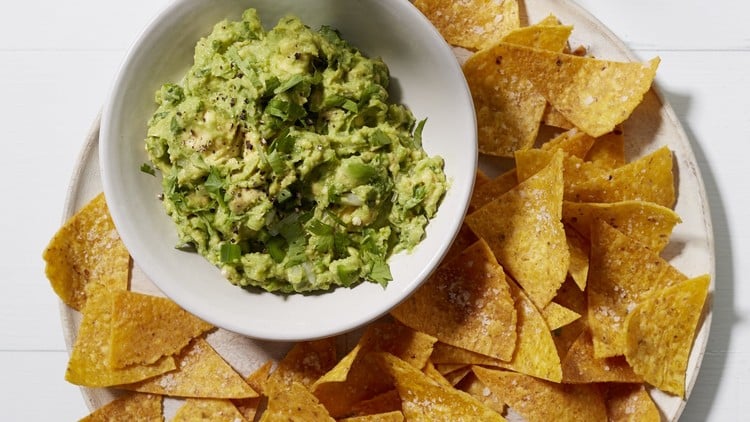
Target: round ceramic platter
x,y
652,125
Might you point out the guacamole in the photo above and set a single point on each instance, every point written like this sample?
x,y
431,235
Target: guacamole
x,y
284,164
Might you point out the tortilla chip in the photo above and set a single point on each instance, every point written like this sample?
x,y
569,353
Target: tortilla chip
x,y
595,95
572,142
455,377
357,377
480,178
660,333
145,328
394,416
646,222
576,171
436,376
472,385
425,399
466,303
208,410
622,274
554,118
134,406
386,402
487,192
579,249
630,403
447,354
558,316
257,381
538,400
294,403
201,372
472,24
509,110
524,231
580,366
305,362
464,238
88,364
86,249
609,149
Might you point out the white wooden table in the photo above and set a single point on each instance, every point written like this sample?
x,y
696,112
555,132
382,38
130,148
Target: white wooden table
x,y
57,60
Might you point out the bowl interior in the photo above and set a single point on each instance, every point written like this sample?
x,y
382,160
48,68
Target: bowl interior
x,y
426,77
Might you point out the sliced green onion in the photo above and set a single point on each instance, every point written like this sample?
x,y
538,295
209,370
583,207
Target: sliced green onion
x,y
229,253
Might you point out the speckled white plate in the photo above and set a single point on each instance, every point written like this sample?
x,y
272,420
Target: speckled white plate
x,y
652,125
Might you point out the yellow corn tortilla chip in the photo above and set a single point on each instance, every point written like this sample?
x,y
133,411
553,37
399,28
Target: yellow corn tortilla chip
x,y
595,95
393,416
573,142
463,240
455,377
357,377
574,299
305,362
466,303
580,366
579,248
208,410
609,149
472,24
294,403
648,179
472,385
480,178
524,232
386,402
558,316
576,171
630,403
145,328
509,110
622,273
88,363
201,372
436,376
554,118
539,400
660,333
257,381
86,249
130,407
426,399
487,192
446,354
647,222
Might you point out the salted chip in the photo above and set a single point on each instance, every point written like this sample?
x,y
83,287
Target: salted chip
x,y
558,316
472,24
539,400
554,118
257,381
595,95
524,231
393,416
509,110
88,364
649,179
609,149
86,249
130,407
357,376
487,192
386,402
630,403
580,366
305,362
145,328
660,333
646,222
572,142
433,373
472,385
447,354
574,299
622,273
579,256
466,303
576,171
201,372
425,399
536,353
207,410
294,403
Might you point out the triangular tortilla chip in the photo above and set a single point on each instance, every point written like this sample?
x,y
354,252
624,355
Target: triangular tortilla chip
x,y
294,403
466,303
472,385
594,95
382,403
305,362
257,381
201,372
609,149
447,354
426,399
145,328
208,410
579,248
576,171
622,273
630,403
646,222
572,142
509,109
472,24
130,407
392,416
558,316
88,364
539,400
86,249
524,231
660,333
491,190
580,366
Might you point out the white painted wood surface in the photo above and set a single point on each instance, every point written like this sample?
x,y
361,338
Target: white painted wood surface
x,y
58,58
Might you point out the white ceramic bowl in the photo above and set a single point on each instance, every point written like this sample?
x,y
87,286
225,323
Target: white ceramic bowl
x,y
426,77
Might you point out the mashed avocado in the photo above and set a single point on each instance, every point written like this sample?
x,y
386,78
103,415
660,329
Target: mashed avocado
x,y
283,163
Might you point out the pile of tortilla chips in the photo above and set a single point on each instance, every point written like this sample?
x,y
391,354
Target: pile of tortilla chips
x,y
552,304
